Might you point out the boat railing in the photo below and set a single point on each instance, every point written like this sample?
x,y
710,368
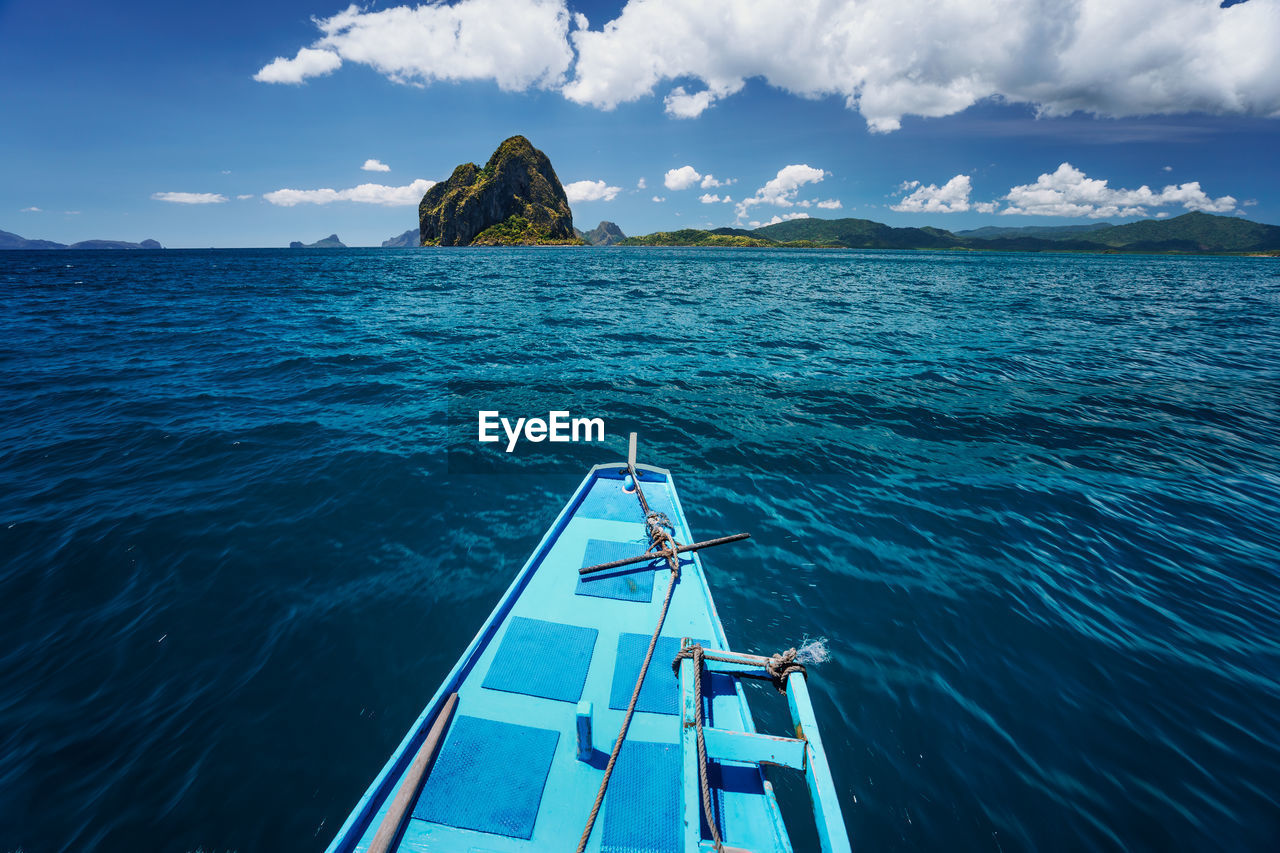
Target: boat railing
x,y
700,743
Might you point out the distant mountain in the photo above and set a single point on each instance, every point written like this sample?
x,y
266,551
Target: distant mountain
x,y
13,241
1046,232
858,234
516,199
1191,233
604,234
407,240
330,242
114,244
697,237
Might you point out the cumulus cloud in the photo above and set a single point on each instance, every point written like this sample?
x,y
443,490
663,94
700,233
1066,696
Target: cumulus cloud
x,y
710,182
951,197
659,198
372,165
590,191
245,196
779,218
1069,192
830,204
891,58
681,179
781,190
190,198
518,44
309,62
386,196
708,198
681,104
884,58
640,184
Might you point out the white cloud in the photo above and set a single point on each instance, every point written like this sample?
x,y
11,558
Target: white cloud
x,y
190,198
891,58
708,198
780,218
681,179
951,197
830,204
1168,168
518,44
1069,192
659,198
781,190
709,182
590,191
245,196
681,104
372,165
363,194
1249,202
640,184
34,209
309,62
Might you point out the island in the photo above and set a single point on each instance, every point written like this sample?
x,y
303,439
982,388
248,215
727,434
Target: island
x,y
9,240
514,200
1191,233
330,242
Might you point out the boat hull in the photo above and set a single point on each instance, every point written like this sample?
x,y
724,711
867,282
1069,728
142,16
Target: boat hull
x,y
542,691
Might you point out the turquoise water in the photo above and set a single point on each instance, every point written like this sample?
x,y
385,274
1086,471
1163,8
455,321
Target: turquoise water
x,y
1031,501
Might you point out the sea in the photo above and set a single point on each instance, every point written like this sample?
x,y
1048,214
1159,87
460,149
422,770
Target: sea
x,y
1030,503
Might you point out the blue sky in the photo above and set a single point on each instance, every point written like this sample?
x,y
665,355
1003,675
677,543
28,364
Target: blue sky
x,y
116,118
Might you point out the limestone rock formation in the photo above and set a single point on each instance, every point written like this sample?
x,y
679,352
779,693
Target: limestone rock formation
x,y
516,199
605,234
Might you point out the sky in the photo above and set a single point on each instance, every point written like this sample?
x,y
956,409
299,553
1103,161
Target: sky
x,y
257,123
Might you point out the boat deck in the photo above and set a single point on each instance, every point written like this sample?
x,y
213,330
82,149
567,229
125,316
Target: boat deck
x,y
508,776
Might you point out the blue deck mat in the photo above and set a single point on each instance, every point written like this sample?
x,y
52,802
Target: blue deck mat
x,y
660,693
628,583
608,500
488,777
538,658
642,811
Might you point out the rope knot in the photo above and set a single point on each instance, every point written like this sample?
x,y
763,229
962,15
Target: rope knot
x,y
780,665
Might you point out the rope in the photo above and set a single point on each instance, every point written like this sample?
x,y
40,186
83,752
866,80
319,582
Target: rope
x,y
658,536
777,666
704,783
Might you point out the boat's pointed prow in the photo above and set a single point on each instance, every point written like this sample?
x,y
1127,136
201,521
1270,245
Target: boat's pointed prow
x,y
563,727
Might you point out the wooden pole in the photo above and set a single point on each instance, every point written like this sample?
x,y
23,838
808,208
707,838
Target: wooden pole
x,y
413,779
683,549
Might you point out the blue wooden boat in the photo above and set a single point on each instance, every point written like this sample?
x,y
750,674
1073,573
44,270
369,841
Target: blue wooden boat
x,y
547,736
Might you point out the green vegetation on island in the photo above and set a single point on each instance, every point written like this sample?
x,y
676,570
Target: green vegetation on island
x,y
516,199
1191,233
